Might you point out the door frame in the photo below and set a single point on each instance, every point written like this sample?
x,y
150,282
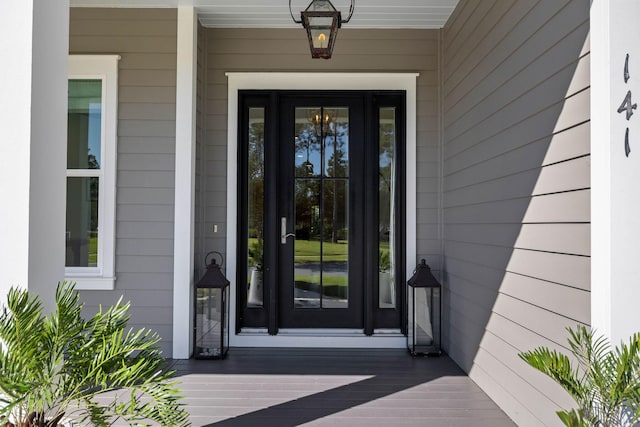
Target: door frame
x,y
317,81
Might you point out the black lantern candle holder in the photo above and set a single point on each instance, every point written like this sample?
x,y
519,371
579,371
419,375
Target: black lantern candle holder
x,y
211,308
424,332
322,21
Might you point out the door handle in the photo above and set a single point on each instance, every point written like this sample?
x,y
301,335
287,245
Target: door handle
x,y
283,231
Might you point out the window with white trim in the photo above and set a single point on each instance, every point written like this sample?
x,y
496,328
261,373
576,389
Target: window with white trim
x,y
91,171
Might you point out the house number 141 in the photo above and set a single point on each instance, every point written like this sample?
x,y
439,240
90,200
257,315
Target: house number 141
x,y
627,107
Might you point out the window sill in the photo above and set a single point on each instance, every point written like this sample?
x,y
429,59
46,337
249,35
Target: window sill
x,y
93,283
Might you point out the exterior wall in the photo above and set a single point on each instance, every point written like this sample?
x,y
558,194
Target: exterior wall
x,y
146,40
356,51
516,193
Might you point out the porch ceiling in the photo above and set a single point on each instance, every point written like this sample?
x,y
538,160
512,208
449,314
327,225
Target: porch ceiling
x,y
275,13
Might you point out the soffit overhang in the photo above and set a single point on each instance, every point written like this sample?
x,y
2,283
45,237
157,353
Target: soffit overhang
x,y
371,14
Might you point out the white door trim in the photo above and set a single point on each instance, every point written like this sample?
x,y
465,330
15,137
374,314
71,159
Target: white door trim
x,y
316,81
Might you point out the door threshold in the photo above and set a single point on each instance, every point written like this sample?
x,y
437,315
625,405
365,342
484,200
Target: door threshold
x,y
305,332
318,338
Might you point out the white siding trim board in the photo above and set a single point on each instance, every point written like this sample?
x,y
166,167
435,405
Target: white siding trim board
x,y
616,201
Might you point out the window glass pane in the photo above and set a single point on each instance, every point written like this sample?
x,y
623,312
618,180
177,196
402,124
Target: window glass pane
x,y
336,142
335,244
82,222
387,189
308,141
84,124
255,205
307,244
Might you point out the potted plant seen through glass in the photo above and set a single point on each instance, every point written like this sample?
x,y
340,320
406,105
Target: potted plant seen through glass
x,y
254,295
387,294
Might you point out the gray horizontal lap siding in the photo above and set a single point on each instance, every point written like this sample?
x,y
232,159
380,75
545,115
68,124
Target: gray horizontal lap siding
x,y
146,41
516,178
200,178
287,50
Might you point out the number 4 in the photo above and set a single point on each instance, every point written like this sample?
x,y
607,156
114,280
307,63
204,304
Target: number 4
x,y
627,106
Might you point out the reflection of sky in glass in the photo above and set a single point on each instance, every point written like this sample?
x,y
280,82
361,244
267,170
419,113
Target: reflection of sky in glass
x,y
84,140
337,141
95,126
386,158
308,142
387,136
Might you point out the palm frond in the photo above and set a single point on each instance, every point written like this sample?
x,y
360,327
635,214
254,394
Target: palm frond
x,y
605,383
557,366
61,363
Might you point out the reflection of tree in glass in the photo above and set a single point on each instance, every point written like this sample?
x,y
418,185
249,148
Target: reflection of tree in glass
x,y
307,209
328,143
93,161
94,185
307,147
307,143
386,172
337,138
255,172
387,151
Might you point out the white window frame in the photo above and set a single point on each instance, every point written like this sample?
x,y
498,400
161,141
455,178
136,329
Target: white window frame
x,y
104,68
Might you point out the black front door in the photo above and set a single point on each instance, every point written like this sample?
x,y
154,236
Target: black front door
x,y
321,202
320,211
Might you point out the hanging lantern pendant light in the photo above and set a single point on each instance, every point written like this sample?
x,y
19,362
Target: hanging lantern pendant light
x,y
321,20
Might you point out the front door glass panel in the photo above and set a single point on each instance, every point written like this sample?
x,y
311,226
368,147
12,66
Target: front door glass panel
x,y
321,247
255,207
386,208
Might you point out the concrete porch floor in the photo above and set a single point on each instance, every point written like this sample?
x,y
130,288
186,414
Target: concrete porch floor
x,y
332,387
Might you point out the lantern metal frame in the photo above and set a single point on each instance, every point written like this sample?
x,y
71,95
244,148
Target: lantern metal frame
x,y
213,279
306,19
423,279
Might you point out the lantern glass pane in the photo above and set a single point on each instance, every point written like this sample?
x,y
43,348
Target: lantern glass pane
x,y
426,320
386,204
321,36
423,313
321,6
255,204
225,319
411,318
209,327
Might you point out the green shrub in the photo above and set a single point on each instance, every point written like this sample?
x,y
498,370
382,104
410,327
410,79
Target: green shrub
x,y
55,366
384,261
605,383
256,253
